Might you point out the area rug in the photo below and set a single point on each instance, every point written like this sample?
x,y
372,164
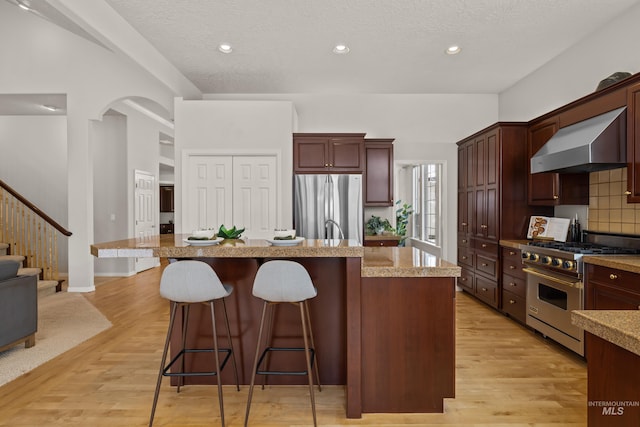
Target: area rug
x,y
64,321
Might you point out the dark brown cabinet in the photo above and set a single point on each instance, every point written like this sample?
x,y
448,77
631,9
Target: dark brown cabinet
x,y
550,188
166,198
328,153
514,283
492,204
378,176
633,143
166,229
611,289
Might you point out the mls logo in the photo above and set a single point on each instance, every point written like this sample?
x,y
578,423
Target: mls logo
x,y
613,410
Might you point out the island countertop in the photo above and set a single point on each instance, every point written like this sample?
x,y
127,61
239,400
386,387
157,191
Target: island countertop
x,y
376,261
620,327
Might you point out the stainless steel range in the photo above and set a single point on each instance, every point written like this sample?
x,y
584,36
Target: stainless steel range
x,y
555,281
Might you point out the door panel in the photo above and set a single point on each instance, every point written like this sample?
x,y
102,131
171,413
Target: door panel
x,y
255,195
209,192
144,214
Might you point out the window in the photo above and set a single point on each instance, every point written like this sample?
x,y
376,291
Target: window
x,y
422,188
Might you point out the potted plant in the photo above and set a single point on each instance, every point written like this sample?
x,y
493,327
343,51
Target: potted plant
x,y
402,219
377,225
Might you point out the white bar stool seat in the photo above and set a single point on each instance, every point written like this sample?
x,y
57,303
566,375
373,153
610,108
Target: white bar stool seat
x,y
194,282
277,282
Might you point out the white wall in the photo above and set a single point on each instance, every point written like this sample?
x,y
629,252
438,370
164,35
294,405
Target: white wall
x,y
39,57
235,127
110,216
40,175
577,71
425,127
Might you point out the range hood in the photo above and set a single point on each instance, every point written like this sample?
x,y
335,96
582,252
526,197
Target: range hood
x,y
594,144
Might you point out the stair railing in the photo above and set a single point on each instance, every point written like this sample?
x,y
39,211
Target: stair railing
x,y
30,232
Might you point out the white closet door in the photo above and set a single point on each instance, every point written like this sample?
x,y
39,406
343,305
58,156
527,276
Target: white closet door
x,y
144,212
255,194
209,192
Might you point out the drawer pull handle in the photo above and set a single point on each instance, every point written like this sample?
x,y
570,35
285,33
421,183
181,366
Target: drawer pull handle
x,y
464,224
627,193
464,240
484,245
464,257
484,264
464,279
483,226
512,284
512,301
512,267
613,276
484,289
511,253
556,197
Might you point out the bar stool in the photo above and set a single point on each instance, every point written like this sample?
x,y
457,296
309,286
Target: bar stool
x,y
194,282
277,282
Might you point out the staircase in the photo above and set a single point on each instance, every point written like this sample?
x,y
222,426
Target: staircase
x,y
45,287
30,237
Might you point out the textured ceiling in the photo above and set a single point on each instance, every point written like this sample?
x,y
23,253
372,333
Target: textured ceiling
x,y
397,46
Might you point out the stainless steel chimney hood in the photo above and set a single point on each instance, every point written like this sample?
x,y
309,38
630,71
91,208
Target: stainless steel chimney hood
x,y
594,144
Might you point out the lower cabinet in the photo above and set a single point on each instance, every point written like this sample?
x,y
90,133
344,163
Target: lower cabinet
x,y
514,284
611,289
166,228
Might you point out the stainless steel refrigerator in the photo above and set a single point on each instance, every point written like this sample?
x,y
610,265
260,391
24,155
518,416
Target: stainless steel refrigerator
x,y
328,206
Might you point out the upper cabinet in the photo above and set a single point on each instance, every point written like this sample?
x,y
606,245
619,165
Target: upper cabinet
x,y
328,153
633,143
378,176
550,188
166,198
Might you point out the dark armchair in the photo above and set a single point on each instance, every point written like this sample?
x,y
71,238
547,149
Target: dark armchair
x,y
18,307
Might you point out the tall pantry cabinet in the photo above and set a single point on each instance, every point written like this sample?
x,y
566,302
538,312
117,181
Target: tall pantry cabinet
x,y
492,204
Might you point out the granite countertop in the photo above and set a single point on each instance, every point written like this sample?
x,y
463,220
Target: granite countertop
x,y
629,263
405,262
382,237
173,245
515,244
620,327
376,261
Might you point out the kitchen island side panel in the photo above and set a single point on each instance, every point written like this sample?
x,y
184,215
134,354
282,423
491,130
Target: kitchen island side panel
x,y
408,344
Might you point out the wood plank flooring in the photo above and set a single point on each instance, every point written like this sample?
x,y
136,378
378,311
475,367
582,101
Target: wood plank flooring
x,y
505,376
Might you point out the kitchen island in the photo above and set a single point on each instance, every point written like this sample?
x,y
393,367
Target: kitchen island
x,y
384,317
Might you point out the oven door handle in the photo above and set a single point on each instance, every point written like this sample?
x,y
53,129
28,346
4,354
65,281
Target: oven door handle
x,y
577,285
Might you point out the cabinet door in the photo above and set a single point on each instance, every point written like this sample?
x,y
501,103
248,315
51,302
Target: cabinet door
x,y
486,220
633,144
310,155
166,198
543,187
346,155
378,188
611,289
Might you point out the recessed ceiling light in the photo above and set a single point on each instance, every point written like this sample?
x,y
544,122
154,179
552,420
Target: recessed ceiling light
x,y
50,107
341,49
22,5
225,48
453,50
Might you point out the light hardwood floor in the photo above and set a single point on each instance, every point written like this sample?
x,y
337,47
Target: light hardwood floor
x,y
505,376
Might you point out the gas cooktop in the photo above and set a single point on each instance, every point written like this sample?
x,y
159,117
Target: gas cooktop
x,y
584,248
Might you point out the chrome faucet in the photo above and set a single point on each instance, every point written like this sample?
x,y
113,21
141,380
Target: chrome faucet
x,y
330,221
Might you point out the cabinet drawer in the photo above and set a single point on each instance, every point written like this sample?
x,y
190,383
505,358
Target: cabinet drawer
x,y
464,240
513,267
486,246
514,305
614,278
486,290
380,242
465,280
465,256
515,285
487,265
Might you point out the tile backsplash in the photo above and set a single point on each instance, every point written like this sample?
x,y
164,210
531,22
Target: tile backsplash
x,y
608,207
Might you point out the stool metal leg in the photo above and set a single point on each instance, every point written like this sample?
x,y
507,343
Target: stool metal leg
x,y
271,307
313,345
255,363
217,359
185,324
233,353
308,358
174,308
